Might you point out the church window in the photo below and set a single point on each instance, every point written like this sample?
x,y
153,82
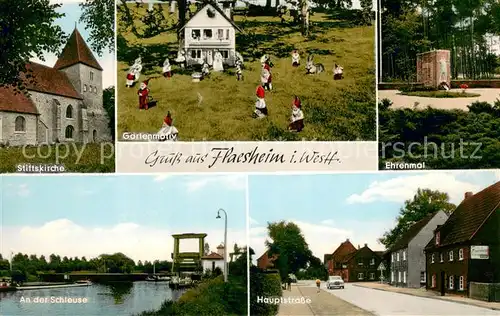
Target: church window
x,y
69,132
95,90
94,136
91,76
69,111
20,124
84,88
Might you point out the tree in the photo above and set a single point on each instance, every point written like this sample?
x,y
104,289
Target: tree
x,y
424,203
108,96
27,29
289,244
99,18
206,249
367,11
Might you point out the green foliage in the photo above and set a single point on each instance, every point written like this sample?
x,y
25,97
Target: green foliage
x,y
441,94
288,242
264,284
315,270
27,28
99,17
443,139
424,203
108,96
211,297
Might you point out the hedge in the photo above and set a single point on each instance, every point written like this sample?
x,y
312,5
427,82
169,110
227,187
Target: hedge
x,y
212,297
262,285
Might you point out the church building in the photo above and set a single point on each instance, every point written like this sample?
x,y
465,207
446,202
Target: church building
x,y
63,104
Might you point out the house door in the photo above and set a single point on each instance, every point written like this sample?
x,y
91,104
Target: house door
x,y
210,57
442,285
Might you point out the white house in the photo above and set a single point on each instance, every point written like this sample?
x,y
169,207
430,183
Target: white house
x,y
214,260
64,103
209,30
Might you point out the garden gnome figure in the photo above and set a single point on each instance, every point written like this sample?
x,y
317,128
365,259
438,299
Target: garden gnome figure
x,y
338,72
260,103
295,58
239,74
167,68
218,62
130,77
205,70
297,120
168,132
143,94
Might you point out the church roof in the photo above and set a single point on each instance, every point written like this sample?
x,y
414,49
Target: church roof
x,y
76,51
49,80
16,101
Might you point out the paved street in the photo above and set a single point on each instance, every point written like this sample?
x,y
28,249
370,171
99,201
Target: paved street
x,y
390,304
321,303
403,101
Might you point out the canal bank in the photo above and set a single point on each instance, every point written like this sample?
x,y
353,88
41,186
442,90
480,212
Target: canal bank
x,y
118,298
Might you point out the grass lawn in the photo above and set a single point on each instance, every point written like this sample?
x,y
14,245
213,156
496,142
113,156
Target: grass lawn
x,y
334,110
440,94
77,158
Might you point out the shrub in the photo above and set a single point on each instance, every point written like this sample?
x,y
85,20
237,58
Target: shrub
x,y
262,285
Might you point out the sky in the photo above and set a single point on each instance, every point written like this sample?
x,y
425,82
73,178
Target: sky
x,y
136,215
331,208
72,13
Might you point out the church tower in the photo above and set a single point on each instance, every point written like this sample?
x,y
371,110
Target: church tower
x,y
85,73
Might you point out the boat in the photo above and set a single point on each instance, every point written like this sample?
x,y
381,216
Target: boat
x,y
41,287
157,278
178,283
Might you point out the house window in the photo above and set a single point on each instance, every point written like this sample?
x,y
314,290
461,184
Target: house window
x,y
196,34
227,34
397,257
438,238
461,254
360,276
451,282
433,282
220,34
69,132
461,283
372,276
450,255
225,54
404,255
91,76
392,276
20,124
399,276
422,276
404,276
69,111
207,34
84,88
372,262
441,257
432,258
196,53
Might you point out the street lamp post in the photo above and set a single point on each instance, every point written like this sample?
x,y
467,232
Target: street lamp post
x,y
226,268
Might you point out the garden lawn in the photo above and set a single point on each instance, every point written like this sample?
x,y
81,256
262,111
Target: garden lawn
x,y
334,110
441,94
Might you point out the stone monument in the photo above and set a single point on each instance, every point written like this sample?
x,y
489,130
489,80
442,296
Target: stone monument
x,y
433,68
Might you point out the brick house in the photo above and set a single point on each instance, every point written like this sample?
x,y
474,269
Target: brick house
x,y
407,256
265,262
335,260
466,249
64,103
359,266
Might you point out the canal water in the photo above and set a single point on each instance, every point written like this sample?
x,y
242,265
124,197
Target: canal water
x,y
96,300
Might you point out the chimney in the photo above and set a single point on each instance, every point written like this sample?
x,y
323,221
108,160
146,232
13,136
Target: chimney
x,y
366,245
359,247
468,195
437,228
220,250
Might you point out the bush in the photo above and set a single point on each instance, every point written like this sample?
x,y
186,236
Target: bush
x,y
212,297
262,285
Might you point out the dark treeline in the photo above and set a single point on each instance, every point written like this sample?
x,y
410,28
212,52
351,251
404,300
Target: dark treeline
x,y
464,27
105,263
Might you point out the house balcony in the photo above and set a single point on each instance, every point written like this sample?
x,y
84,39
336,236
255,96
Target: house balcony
x,y
208,43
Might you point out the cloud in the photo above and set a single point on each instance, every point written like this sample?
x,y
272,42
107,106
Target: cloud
x,y
324,238
402,188
233,182
66,238
252,221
